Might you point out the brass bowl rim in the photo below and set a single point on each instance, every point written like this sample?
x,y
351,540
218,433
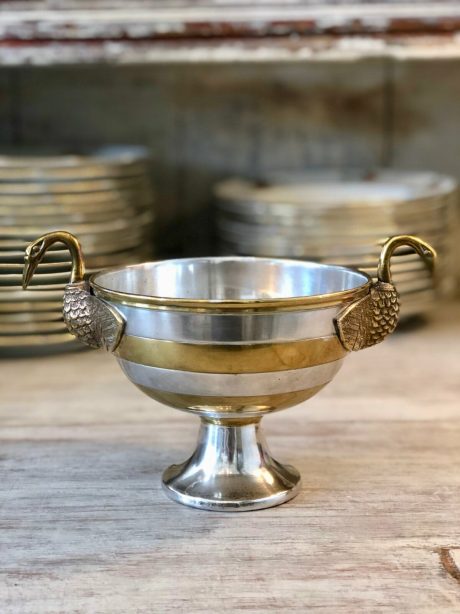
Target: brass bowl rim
x,y
313,301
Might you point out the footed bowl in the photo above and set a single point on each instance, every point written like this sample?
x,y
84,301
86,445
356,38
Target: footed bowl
x,y
230,340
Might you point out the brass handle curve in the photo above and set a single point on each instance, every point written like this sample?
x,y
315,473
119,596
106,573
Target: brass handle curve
x,y
35,252
90,319
369,320
424,250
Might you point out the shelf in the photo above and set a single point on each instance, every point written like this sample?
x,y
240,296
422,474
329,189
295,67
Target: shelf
x,y
47,33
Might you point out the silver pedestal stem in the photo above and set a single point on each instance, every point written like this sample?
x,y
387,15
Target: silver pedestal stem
x,y
231,469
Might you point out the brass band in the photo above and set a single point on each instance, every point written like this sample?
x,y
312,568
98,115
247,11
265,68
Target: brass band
x,y
230,358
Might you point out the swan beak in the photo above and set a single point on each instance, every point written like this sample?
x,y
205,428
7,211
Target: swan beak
x,y
432,258
29,270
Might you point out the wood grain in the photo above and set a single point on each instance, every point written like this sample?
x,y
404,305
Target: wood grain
x,y
86,528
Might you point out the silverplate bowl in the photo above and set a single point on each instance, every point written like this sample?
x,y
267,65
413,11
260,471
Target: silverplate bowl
x,y
230,340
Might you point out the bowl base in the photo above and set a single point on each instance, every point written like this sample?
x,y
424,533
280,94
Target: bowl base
x,y
231,471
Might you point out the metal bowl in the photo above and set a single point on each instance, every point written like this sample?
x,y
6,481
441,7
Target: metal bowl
x,y
230,340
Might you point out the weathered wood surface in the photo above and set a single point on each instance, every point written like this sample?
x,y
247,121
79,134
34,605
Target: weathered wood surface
x,y
47,32
43,20
85,527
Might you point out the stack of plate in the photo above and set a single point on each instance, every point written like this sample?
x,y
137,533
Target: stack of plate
x,y
343,218
104,198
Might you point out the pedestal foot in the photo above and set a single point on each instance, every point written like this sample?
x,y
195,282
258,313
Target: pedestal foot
x,y
231,470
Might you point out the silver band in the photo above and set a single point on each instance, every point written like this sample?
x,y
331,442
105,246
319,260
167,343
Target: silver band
x,y
238,384
186,327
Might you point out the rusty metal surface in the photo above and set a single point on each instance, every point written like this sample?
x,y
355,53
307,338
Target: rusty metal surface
x,y
187,19
57,32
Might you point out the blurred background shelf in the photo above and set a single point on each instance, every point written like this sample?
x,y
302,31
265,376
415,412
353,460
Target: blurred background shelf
x,y
217,89
50,32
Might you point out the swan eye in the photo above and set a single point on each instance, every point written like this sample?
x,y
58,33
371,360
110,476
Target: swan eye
x,y
36,249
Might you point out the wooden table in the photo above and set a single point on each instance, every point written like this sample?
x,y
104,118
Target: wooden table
x,y
85,528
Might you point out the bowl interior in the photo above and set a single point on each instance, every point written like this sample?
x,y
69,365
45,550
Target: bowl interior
x,y
233,278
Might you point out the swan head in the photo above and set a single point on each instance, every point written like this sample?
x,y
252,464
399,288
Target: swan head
x,y
33,256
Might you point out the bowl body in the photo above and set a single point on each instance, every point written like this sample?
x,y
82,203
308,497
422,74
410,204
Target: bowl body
x,y
230,338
